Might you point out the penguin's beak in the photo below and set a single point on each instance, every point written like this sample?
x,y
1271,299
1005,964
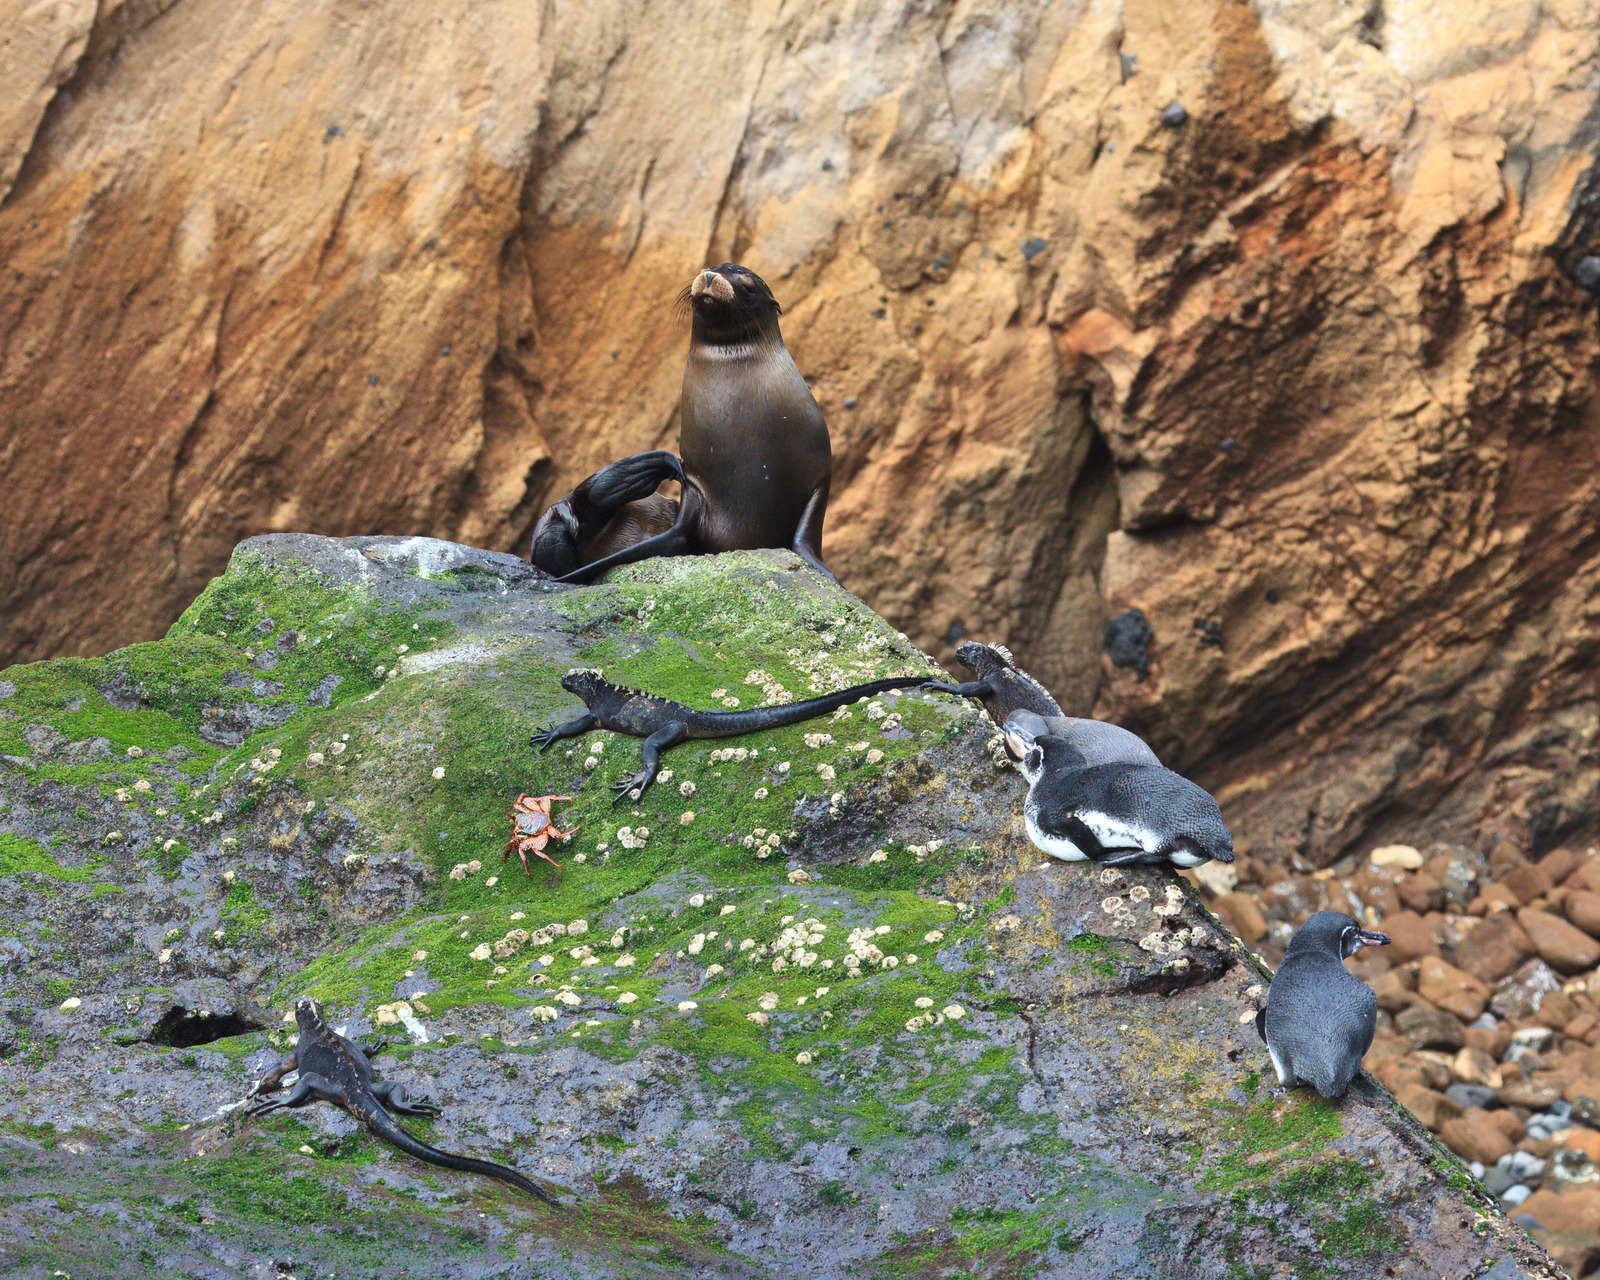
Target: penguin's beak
x,y
1018,739
1369,938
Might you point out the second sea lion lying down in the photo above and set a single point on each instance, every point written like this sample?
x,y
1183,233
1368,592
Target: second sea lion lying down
x,y
756,456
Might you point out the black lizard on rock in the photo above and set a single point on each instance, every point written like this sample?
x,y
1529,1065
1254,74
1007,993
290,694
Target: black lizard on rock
x,y
663,723
337,1070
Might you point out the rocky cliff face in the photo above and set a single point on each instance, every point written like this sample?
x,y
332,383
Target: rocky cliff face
x,y
1255,319
814,1007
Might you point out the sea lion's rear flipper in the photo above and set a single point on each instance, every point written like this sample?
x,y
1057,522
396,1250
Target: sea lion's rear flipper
x,y
807,542
618,502
624,481
679,540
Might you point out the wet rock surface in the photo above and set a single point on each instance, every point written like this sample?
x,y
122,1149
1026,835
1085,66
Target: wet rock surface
x,y
814,1007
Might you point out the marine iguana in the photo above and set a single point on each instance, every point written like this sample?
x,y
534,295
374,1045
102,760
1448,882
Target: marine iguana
x,y
337,1070
663,723
1011,696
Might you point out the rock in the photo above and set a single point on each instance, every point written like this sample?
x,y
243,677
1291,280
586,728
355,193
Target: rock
x,y
1433,1109
1499,945
1528,881
1173,115
1578,1210
289,879
1429,1028
1494,897
1474,1135
1396,989
1582,907
1410,937
1577,1251
1397,855
1532,1094
1422,893
1519,996
1560,945
1476,1069
1471,1095
1241,914
1451,989
1585,1140
1584,1095
1569,1169
1556,1009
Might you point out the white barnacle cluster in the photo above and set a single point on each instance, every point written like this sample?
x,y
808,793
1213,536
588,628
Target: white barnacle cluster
x,y
771,689
921,851
825,772
211,819
633,837
996,747
512,943
764,842
950,1013
864,949
876,710
891,722
1007,924
794,945
1173,903
815,740
723,755
464,869
1164,943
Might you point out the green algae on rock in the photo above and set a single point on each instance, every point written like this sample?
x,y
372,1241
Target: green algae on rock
x,y
814,1007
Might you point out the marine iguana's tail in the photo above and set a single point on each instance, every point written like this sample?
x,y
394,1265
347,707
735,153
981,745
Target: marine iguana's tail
x,y
382,1124
730,724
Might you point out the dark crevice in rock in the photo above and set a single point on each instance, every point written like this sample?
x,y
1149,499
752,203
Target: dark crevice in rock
x,y
181,1028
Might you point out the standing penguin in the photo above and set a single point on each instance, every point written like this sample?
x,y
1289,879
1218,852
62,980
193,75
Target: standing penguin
x,y
1319,1019
1092,796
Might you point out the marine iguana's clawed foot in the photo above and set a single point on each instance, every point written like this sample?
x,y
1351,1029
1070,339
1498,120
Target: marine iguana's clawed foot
x,y
634,787
938,686
546,737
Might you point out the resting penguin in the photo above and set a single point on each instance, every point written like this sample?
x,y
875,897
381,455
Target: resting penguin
x,y
1010,694
756,457
1320,1017
1107,803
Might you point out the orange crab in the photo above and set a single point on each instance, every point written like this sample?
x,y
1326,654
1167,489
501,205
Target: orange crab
x,y
531,829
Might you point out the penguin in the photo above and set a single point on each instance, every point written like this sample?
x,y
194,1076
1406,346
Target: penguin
x,y
1319,1018
1094,798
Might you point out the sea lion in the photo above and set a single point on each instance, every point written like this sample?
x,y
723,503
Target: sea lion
x,y
756,457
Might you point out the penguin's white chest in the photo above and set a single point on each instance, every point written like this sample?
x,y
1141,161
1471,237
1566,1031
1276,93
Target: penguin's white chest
x,y
1056,846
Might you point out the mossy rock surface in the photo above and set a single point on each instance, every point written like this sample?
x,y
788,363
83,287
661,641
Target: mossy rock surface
x,y
1029,1069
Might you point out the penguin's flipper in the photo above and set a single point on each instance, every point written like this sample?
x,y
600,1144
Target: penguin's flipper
x,y
1261,1024
1123,856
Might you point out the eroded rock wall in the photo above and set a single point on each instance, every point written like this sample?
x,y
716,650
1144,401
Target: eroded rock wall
x,y
1302,378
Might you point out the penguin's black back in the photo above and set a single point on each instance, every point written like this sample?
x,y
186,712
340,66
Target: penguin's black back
x,y
1150,797
1319,1020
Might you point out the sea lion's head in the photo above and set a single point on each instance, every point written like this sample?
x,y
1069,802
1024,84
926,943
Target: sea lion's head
x,y
732,305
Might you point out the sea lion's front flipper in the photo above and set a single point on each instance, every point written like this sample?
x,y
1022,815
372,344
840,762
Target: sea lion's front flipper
x,y
680,540
807,542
